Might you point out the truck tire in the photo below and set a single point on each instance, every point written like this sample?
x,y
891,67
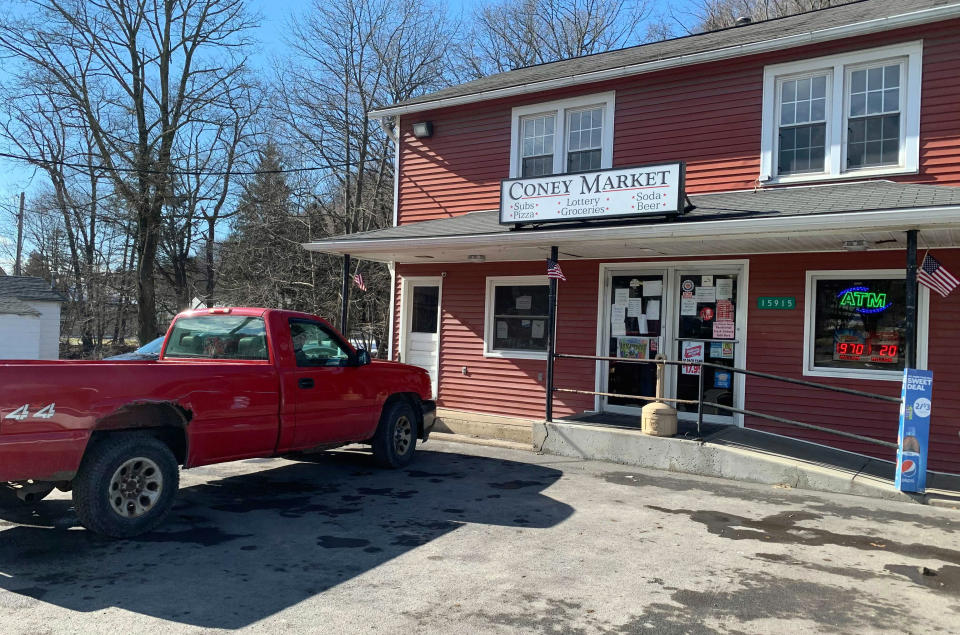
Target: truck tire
x,y
125,485
396,438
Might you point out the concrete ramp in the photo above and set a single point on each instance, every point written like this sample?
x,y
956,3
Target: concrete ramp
x,y
742,455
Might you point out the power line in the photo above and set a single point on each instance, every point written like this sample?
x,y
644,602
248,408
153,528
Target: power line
x,y
93,166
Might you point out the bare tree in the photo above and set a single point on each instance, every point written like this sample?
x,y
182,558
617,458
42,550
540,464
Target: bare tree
x,y
349,58
136,73
513,33
710,15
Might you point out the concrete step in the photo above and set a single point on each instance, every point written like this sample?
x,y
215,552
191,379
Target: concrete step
x,y
484,426
490,443
740,456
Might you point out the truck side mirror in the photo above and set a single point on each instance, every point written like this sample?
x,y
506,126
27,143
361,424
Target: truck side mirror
x,y
363,357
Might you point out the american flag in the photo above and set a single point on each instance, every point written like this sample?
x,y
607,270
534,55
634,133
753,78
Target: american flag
x,y
554,271
358,280
935,276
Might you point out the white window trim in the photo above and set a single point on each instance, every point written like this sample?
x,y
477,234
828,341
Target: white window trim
x,y
489,321
809,313
837,66
606,100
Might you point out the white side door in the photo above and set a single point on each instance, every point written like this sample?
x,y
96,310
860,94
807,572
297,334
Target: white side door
x,y
420,340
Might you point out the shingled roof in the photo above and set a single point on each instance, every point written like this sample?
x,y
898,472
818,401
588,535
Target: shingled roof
x,y
13,306
780,33
28,288
811,200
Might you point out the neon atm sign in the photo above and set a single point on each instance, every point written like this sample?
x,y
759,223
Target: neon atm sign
x,y
863,300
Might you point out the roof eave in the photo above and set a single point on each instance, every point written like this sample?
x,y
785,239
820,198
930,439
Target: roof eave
x,y
912,18
892,219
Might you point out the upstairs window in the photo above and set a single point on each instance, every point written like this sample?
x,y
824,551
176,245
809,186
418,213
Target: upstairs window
x,y
572,135
850,115
584,134
873,116
537,146
803,124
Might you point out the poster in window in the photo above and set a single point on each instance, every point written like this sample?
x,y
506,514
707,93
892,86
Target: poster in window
x,y
621,297
537,329
653,310
724,310
502,330
524,302
688,306
634,307
722,379
706,281
618,314
652,287
692,352
724,288
724,330
633,347
705,294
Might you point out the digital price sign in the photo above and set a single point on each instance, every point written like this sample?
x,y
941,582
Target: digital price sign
x,y
865,352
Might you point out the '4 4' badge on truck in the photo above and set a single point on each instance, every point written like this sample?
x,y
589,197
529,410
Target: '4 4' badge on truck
x,y
23,412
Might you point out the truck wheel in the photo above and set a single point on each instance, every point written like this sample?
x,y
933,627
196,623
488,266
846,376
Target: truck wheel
x,y
126,485
396,438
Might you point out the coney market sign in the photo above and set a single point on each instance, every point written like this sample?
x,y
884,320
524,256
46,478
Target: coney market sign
x,y
648,190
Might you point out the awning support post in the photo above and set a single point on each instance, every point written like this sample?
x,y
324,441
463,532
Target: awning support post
x,y
911,334
345,296
551,336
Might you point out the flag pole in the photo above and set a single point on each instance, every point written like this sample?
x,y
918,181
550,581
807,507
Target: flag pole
x,y
911,299
551,335
345,295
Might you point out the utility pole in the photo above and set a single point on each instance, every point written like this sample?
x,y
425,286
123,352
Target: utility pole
x,y
17,270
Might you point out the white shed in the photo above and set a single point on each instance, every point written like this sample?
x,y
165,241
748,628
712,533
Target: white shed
x,y
29,318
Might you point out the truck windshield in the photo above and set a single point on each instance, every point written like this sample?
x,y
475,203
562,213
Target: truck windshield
x,y
218,337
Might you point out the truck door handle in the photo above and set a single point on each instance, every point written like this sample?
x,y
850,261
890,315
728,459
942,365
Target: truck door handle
x,y
305,382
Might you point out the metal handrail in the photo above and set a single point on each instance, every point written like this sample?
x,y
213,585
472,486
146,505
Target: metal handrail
x,y
701,403
743,371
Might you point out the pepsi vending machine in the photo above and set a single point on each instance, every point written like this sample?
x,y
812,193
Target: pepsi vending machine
x,y
916,398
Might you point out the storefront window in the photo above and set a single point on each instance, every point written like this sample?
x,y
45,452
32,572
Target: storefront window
x,y
858,323
517,316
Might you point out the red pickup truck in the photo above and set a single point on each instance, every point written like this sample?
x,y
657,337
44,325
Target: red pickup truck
x,y
229,384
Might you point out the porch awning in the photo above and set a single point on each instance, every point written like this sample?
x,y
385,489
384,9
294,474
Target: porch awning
x,y
773,220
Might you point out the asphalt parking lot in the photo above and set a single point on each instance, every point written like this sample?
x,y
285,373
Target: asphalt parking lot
x,y
477,539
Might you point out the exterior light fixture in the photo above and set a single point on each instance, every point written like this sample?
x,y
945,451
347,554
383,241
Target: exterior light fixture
x,y
476,258
855,245
423,129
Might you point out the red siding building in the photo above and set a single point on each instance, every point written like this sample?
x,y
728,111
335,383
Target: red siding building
x,y
813,146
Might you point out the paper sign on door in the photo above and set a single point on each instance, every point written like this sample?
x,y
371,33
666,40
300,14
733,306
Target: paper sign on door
x,y
692,352
724,330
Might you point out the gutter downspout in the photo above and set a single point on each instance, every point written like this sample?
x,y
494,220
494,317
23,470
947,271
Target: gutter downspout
x,y
393,133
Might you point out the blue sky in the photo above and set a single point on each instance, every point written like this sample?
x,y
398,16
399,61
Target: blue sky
x,y
275,17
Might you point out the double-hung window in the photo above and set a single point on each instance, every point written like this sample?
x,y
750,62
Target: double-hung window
x,y
848,115
571,135
802,134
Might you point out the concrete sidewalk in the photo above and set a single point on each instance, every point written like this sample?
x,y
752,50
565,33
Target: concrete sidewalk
x,y
742,455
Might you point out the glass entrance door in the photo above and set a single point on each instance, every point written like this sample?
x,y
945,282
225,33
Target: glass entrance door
x,y
707,331
634,330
